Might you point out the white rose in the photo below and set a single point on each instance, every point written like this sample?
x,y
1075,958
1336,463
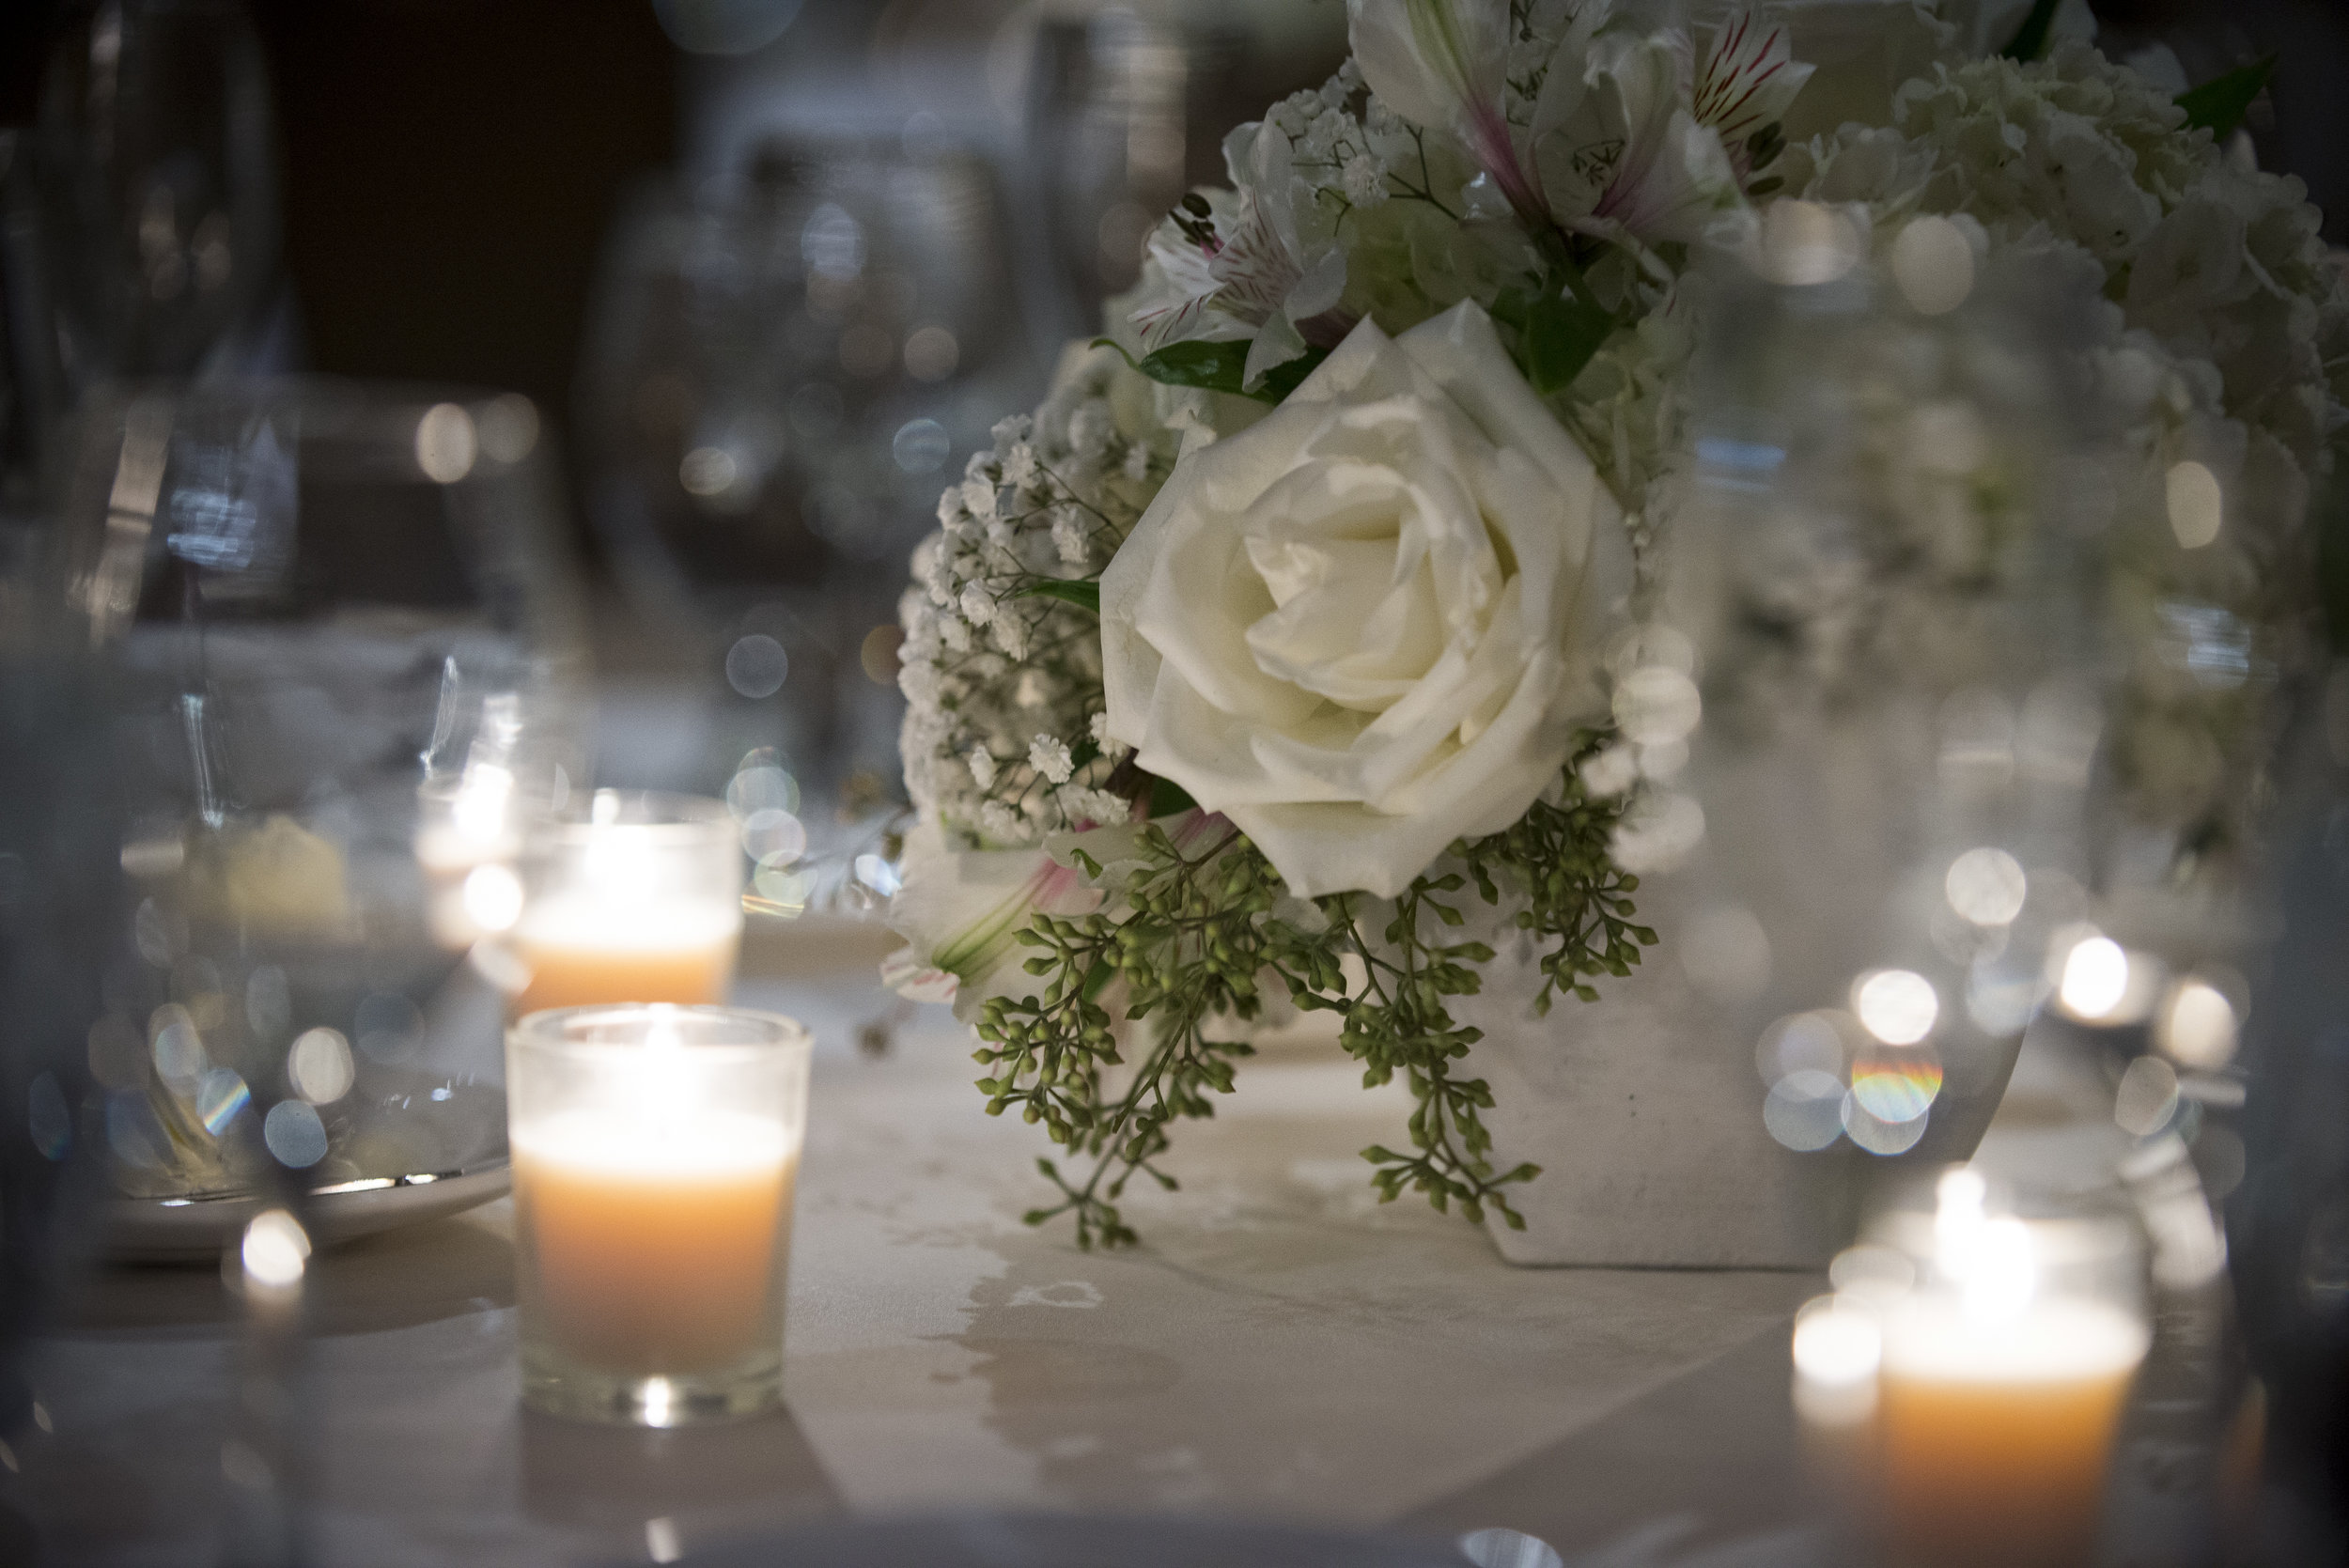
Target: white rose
x,y
1352,628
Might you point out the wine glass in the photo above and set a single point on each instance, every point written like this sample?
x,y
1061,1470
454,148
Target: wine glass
x,y
784,372
1127,108
342,651
157,180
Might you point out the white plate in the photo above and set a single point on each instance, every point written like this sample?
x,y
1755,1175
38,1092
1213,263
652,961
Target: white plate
x,y
179,1230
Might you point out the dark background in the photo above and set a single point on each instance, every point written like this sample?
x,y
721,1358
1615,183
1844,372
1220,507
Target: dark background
x,y
451,166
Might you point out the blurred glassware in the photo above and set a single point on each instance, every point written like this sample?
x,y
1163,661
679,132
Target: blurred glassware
x,y
32,387
59,840
327,609
1128,106
1868,714
158,175
2288,1218
780,377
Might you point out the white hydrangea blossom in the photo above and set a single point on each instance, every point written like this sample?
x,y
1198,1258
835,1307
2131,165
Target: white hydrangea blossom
x,y
2224,344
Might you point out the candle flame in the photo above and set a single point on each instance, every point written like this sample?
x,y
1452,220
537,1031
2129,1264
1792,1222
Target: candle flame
x,y
1991,1259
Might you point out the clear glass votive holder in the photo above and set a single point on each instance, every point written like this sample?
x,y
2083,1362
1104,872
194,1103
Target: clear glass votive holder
x,y
634,896
1961,1391
655,1153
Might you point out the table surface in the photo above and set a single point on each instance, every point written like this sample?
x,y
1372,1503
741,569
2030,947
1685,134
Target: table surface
x,y
1280,1346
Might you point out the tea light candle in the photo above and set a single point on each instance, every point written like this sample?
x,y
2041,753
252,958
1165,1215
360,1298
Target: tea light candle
x,y
657,1237
1995,1434
581,948
655,1150
1998,1395
642,902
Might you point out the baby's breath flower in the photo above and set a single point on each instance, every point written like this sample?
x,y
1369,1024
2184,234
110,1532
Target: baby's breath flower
x,y
1100,806
1090,429
1011,635
1048,756
982,768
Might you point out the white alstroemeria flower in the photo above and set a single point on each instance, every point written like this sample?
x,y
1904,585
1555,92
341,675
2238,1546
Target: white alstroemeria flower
x,y
1646,140
1443,65
1617,149
1249,270
1746,78
960,912
1356,629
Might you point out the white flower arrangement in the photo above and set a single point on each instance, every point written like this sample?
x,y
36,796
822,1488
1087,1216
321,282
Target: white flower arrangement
x,y
1275,631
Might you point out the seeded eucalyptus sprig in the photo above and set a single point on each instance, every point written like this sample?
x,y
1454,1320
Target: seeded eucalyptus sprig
x,y
1199,927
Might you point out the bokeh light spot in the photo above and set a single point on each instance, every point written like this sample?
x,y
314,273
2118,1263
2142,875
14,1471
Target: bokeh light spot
x,y
1897,1084
1876,1134
920,445
707,470
219,1096
388,1027
445,444
2096,978
1802,1042
756,665
2197,506
2147,1096
492,897
275,1248
1804,1110
2199,1030
294,1134
1803,243
1897,1006
319,1065
1986,886
1934,265
931,353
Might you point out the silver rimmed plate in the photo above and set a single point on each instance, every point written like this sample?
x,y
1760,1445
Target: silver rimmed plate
x,y
180,1230
404,1147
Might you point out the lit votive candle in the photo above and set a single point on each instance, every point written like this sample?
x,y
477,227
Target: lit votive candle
x,y
655,1150
640,902
2004,1375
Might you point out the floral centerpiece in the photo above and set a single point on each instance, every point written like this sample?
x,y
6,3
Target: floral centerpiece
x,y
1260,668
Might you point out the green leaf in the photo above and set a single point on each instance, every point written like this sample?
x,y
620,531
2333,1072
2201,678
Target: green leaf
x,y
1282,380
1559,335
1085,596
1167,798
2220,104
1217,366
2030,39
1220,367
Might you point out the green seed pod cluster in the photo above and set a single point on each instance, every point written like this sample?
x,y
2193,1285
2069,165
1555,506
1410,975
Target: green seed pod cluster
x,y
1187,944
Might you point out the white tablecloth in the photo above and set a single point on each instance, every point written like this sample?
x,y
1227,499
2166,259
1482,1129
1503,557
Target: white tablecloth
x,y
1281,1345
